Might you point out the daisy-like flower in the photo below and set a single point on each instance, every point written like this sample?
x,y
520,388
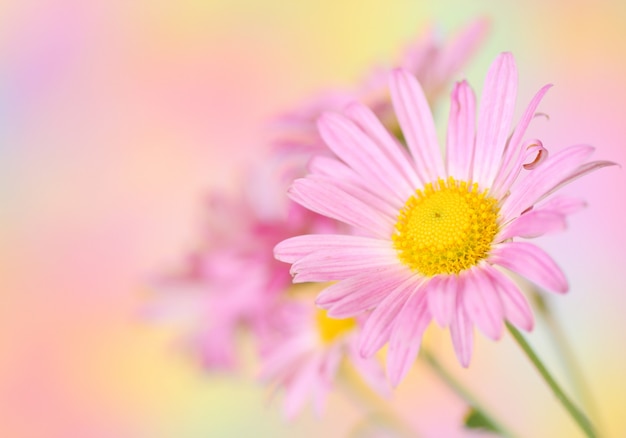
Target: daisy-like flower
x,y
305,356
432,234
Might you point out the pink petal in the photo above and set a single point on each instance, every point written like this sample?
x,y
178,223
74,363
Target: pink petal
x,y
516,307
580,171
442,298
363,155
482,302
559,169
325,199
333,356
358,294
563,204
343,289
461,48
513,161
330,166
365,192
533,224
417,124
301,386
462,332
294,248
394,152
283,356
461,132
418,58
378,326
215,346
531,262
370,370
494,118
328,370
320,394
531,154
340,263
406,335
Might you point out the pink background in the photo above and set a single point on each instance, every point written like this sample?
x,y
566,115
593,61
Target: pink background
x,y
117,116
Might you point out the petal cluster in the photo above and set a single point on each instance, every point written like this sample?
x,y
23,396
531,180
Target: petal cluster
x,y
232,280
305,366
374,173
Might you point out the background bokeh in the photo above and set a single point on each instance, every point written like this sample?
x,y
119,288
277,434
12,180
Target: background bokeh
x,y
116,117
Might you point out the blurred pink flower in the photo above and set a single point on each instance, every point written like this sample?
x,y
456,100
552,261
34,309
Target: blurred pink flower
x,y
433,232
431,60
232,282
211,294
307,354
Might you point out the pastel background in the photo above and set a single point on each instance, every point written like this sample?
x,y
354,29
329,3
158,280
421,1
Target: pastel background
x,y
116,117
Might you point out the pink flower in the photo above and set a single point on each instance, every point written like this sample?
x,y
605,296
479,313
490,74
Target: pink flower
x,y
433,234
232,282
306,355
432,61
210,294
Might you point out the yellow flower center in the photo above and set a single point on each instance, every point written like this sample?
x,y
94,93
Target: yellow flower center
x,y
330,329
446,228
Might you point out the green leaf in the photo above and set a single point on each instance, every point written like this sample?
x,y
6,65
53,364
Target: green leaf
x,y
476,420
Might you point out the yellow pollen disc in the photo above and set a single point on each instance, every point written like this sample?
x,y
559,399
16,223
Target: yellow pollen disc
x,y
446,228
330,329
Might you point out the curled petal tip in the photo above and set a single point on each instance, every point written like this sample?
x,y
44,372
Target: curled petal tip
x,y
540,154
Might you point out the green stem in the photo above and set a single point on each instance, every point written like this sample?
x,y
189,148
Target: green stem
x,y
566,353
463,393
580,418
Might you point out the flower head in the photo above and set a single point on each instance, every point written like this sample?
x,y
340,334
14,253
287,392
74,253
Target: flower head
x,y
209,292
309,351
431,234
232,281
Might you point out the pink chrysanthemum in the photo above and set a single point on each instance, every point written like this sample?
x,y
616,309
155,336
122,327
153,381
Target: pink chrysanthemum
x,y
307,353
431,60
232,281
210,294
432,234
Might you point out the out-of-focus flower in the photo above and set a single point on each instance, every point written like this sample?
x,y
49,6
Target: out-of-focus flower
x,y
308,353
432,232
224,285
232,281
431,60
